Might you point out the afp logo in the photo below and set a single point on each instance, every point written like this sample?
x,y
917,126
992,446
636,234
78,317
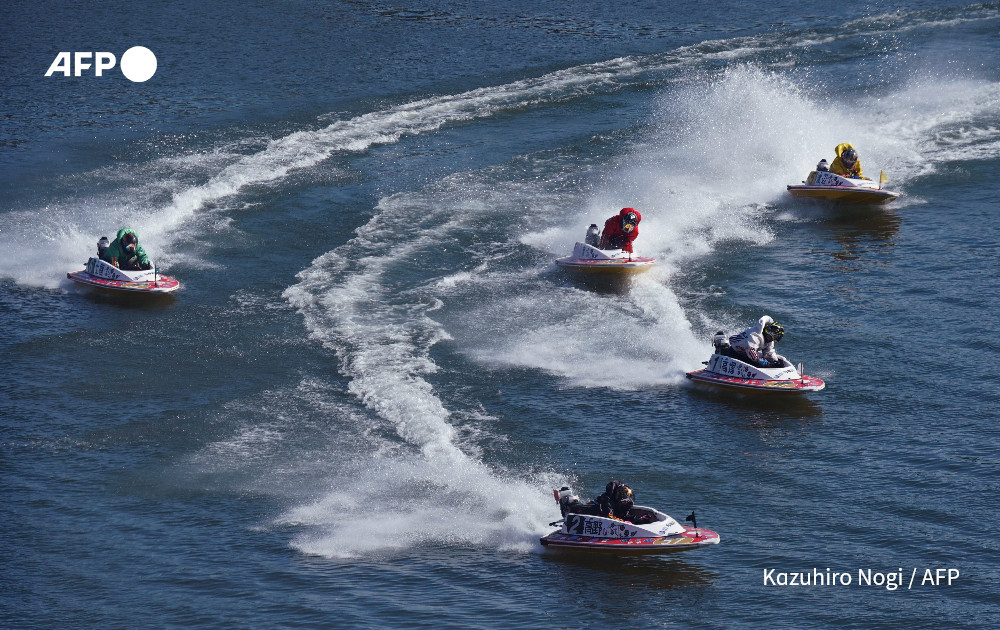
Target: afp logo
x,y
138,63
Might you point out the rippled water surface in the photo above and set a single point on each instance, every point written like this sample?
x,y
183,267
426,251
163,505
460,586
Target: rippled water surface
x,y
354,411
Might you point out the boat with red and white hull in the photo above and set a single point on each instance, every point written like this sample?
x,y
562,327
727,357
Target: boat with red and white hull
x,y
728,371
648,531
589,259
99,274
833,187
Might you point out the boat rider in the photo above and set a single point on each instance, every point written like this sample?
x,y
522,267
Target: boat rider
x,y
846,163
125,252
616,502
620,230
755,345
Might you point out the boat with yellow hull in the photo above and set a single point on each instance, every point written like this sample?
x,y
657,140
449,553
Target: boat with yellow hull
x,y
833,187
589,259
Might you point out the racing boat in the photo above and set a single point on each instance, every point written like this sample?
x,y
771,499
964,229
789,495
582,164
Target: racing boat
x,y
648,531
588,258
103,275
833,187
728,371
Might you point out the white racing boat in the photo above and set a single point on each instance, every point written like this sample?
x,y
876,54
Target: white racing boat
x,y
728,371
833,187
648,531
103,275
588,258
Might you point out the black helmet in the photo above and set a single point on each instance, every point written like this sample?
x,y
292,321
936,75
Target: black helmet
x,y
629,219
773,331
849,157
624,493
618,491
623,501
129,239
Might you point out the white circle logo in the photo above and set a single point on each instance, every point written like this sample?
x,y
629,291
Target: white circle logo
x,y
138,64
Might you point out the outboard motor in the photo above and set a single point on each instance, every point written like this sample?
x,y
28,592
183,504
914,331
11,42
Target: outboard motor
x,y
721,342
822,166
102,245
593,235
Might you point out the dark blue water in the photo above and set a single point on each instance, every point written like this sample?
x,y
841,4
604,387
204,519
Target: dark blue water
x,y
354,411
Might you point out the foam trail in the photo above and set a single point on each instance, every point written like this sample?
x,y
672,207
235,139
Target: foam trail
x,y
398,503
380,327
367,301
720,158
381,314
382,337
38,245
360,490
70,231
723,154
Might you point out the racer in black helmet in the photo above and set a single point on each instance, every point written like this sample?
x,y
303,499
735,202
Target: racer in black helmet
x,y
125,252
617,500
755,345
773,331
847,164
621,230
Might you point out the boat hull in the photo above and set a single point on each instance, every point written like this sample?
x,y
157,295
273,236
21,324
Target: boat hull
x,y
837,193
616,266
98,274
690,539
589,259
833,187
161,285
790,386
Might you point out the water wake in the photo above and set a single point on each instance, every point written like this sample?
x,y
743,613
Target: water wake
x,y
37,245
718,157
464,265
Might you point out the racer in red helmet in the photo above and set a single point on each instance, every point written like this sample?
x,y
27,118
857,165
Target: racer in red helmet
x,y
620,230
